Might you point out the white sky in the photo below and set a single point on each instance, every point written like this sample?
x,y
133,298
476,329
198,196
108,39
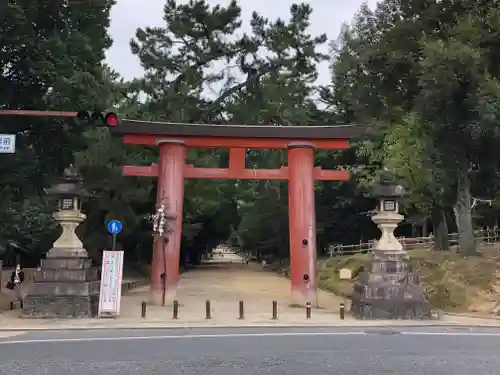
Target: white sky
x,y
128,15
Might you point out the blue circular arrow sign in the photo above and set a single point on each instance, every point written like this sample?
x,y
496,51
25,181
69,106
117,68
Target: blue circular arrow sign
x,y
114,227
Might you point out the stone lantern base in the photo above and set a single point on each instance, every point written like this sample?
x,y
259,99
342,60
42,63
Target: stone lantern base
x,y
388,289
66,286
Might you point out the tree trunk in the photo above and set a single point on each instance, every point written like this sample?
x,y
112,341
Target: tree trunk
x,y
463,215
440,230
425,232
414,230
457,221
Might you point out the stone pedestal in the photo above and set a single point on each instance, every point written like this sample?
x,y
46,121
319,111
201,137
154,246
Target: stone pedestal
x,y
66,286
387,288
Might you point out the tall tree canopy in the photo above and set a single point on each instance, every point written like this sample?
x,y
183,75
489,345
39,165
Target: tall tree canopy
x,y
51,53
435,61
424,73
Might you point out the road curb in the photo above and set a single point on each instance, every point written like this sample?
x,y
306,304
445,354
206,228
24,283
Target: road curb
x,y
251,326
460,315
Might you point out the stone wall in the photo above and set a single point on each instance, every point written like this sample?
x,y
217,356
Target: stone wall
x,y
72,306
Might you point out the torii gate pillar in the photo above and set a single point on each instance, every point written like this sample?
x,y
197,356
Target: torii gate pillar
x,y
166,254
302,220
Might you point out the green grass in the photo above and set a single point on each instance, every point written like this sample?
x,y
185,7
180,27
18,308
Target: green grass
x,y
450,281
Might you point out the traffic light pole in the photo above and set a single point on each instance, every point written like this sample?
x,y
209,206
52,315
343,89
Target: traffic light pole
x,y
22,112
83,117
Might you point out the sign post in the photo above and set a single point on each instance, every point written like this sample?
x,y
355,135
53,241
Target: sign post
x,y
114,227
111,276
7,143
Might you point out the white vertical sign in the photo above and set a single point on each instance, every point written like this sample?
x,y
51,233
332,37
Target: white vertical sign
x,y
111,283
7,143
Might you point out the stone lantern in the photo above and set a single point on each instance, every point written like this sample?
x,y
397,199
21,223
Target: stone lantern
x,y
66,285
69,192
387,287
387,219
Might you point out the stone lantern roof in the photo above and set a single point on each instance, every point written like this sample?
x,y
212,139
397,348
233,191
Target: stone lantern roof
x,y
71,183
386,187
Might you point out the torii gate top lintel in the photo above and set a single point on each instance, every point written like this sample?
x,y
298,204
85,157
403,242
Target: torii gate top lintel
x,y
145,133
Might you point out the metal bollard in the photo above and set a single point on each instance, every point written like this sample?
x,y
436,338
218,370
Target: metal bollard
x,y
275,310
242,311
342,311
308,310
143,309
175,314
208,312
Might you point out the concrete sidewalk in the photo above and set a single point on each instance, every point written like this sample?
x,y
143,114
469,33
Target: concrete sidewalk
x,y
318,320
225,285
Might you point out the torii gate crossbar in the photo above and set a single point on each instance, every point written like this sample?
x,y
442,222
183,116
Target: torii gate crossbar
x,y
300,142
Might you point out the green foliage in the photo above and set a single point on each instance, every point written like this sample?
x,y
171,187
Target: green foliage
x,y
426,76
51,55
267,78
30,231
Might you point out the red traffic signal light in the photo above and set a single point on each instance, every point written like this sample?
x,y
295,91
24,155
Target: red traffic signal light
x,y
97,118
111,119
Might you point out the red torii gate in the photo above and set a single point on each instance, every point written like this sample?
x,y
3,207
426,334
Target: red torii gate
x,y
173,139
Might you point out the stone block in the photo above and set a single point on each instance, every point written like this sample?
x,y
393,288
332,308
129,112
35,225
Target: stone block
x,y
61,288
95,287
66,263
54,307
387,309
58,252
387,288
64,287
370,278
61,274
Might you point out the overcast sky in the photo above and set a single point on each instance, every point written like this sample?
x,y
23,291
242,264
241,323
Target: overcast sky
x,y
128,15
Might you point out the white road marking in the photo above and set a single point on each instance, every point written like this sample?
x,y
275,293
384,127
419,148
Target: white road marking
x,y
188,336
4,334
494,334
243,335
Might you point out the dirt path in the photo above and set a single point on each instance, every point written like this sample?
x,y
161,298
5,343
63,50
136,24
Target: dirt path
x,y
226,284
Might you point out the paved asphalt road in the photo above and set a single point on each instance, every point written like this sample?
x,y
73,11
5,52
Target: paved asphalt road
x,y
321,351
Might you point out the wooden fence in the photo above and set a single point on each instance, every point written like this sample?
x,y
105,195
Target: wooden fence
x,y
483,237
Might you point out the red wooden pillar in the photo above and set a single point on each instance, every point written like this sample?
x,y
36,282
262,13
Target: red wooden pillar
x,y
171,193
302,223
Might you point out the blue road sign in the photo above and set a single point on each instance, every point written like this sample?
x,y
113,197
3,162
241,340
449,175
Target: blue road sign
x,y
114,227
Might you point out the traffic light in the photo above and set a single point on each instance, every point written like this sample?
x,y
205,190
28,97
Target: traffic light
x,y
111,119
83,117
92,118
